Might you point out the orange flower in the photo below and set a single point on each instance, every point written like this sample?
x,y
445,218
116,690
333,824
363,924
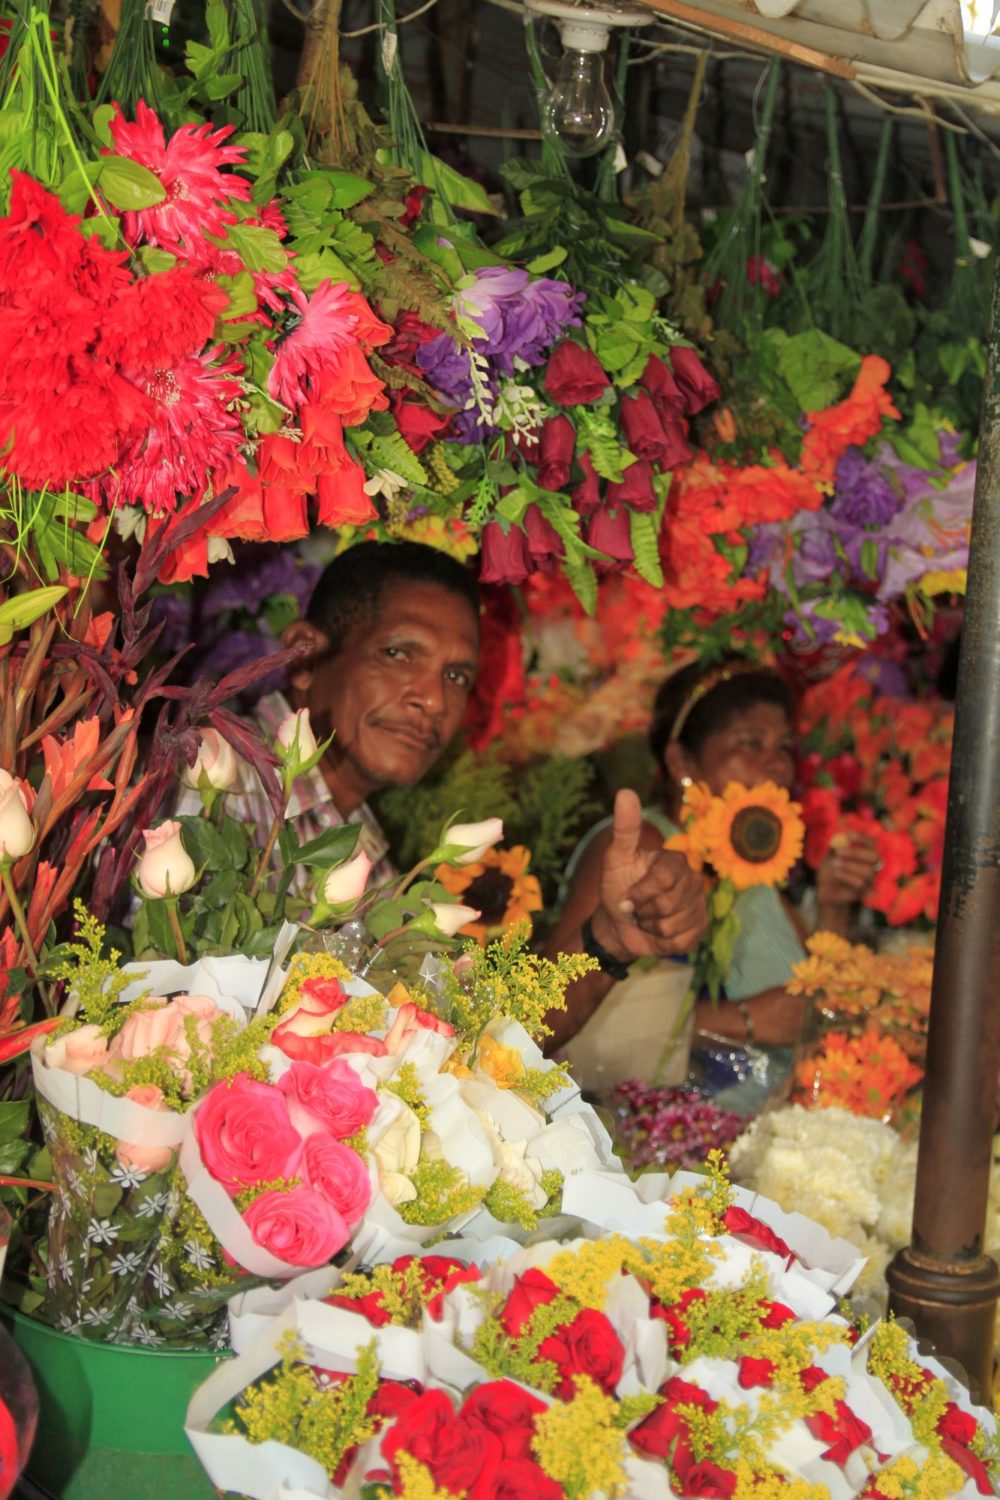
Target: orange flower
x,y
868,1075
63,758
753,835
851,422
498,886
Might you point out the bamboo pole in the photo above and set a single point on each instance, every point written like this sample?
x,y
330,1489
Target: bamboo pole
x,y
753,36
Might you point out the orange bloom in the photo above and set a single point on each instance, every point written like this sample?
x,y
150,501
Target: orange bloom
x,y
63,758
868,1075
498,886
849,423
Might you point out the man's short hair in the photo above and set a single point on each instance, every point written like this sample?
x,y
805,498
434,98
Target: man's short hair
x,y
349,590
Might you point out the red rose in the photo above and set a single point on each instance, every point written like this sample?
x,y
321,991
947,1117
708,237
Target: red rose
x,y
957,1424
680,1333
575,376
754,1232
544,541
300,1227
331,1099
587,1346
658,381
643,429
656,1433
754,1372
505,556
391,1399
635,489
417,422
533,1289
410,334
843,1431
245,1135
610,532
412,206
558,439
341,498
370,1307
520,1479
697,386
821,815
708,1482
812,1376
775,1315
461,1457
586,495
439,1273
506,1410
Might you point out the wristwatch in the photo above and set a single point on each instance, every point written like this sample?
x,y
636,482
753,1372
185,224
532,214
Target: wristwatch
x,y
610,965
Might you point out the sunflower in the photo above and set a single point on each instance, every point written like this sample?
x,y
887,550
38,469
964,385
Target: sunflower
x,y
753,835
498,886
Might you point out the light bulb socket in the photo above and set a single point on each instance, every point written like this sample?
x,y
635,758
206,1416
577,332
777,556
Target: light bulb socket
x,y
584,36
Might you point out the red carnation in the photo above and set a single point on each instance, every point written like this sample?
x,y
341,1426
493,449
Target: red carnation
x,y
697,386
558,439
575,376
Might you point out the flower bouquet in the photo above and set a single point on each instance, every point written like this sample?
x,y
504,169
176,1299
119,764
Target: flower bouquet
x,y
708,1359
870,1015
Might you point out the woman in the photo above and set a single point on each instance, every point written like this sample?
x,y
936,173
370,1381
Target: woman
x,y
732,723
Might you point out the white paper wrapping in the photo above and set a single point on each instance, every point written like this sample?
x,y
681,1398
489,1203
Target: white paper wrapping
x,y
82,1099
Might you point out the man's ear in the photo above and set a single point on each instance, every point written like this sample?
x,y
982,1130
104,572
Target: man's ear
x,y
313,645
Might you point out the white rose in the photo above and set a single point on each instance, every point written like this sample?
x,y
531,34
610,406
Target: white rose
x,y
17,832
166,868
521,1171
346,882
450,919
474,838
398,1148
396,1188
215,763
294,741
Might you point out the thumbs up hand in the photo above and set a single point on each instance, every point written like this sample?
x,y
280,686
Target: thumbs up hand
x,y
651,902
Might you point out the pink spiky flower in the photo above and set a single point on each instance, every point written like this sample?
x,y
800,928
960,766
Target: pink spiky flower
x,y
189,167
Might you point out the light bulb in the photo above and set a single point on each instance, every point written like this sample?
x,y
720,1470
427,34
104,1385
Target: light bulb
x,y
578,115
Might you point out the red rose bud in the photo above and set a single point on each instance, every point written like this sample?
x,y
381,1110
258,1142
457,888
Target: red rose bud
x,y
505,555
412,206
610,532
417,423
657,379
706,1481
698,387
586,495
544,542
575,376
555,452
533,1289
676,450
636,489
644,432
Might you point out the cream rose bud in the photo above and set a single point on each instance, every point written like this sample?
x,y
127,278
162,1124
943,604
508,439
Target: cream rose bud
x,y
77,1051
397,1150
166,868
215,763
450,919
294,741
17,832
474,838
346,882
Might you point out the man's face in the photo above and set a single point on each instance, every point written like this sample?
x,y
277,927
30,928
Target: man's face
x,y
395,694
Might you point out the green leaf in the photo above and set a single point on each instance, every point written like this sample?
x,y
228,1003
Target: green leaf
x,y
259,249
393,452
242,296
615,347
13,1118
153,259
12,1157
347,188
636,303
548,262
814,367
24,609
644,533
129,185
101,121
323,265
459,191
331,848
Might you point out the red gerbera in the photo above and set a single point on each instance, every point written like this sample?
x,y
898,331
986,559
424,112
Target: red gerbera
x,y
193,430
189,167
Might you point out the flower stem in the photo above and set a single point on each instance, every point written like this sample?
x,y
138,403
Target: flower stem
x,y
265,859
175,928
17,911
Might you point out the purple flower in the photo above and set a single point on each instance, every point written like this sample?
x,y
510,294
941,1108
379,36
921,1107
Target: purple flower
x,y
671,1126
447,369
815,558
863,494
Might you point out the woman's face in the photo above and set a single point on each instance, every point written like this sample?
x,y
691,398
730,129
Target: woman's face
x,y
755,746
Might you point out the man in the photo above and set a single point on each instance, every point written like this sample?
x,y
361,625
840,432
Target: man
x,y
391,650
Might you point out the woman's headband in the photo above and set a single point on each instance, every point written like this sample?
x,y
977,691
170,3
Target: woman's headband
x,y
706,685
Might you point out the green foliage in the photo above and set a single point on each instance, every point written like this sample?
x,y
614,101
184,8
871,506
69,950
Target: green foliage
x,y
443,1192
505,980
405,1084
96,982
817,370
516,1355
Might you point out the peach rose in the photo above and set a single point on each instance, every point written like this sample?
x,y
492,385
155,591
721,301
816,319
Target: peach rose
x,y
164,1026
305,1032
339,1175
346,882
409,1020
166,868
145,1158
299,1227
215,761
17,832
78,1051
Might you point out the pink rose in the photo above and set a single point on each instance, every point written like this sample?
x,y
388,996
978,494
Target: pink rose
x,y
165,1026
339,1175
145,1158
245,1134
299,1226
409,1020
331,1098
78,1051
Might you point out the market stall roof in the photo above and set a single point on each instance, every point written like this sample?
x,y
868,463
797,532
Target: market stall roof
x,y
932,48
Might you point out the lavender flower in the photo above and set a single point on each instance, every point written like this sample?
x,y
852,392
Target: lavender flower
x,y
864,496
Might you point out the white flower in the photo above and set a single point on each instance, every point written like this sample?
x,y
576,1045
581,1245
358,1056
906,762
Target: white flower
x,y
127,1176
126,1263
17,832
102,1232
474,839
294,741
151,1206
161,1281
215,764
199,1257
396,1153
450,918
166,868
346,882
385,482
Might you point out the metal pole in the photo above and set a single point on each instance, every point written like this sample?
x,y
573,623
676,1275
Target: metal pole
x,y
943,1281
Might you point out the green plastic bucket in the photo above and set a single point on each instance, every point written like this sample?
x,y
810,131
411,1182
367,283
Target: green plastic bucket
x,y
111,1419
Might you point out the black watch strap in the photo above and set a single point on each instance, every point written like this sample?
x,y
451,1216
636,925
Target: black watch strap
x,y
610,965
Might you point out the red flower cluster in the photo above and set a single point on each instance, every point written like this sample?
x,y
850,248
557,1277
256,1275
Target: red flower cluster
x,y
588,1345
438,1275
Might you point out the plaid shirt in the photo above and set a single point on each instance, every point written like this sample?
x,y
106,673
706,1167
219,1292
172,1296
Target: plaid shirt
x,y
311,806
